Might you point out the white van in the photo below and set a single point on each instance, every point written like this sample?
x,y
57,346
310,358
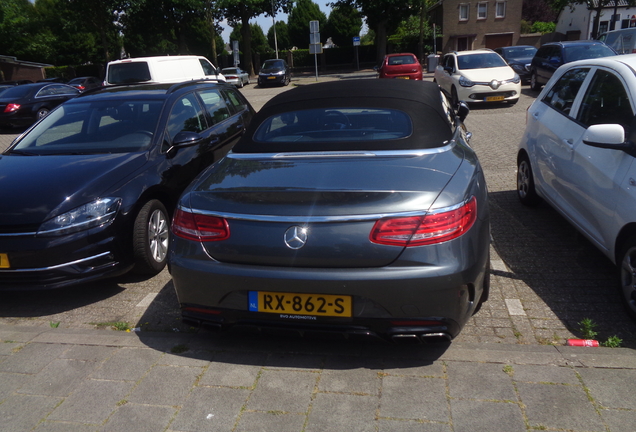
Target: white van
x,y
161,69
623,41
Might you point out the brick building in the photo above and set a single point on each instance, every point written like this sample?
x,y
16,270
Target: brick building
x,y
12,69
473,24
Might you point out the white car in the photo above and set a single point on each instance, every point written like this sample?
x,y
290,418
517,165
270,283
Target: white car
x,y
477,76
236,76
577,153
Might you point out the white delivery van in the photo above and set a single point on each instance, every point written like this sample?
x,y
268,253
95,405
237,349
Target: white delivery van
x,y
160,69
623,41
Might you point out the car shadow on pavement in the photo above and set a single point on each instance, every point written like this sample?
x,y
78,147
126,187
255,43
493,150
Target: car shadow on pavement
x,y
43,303
560,277
276,350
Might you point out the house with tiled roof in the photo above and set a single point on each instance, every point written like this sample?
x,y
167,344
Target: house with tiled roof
x,y
577,21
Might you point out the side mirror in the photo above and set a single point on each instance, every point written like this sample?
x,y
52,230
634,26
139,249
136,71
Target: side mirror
x,y
185,138
462,110
608,136
448,69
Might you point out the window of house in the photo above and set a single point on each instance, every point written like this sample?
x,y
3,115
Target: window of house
x,y
482,11
464,10
500,9
603,27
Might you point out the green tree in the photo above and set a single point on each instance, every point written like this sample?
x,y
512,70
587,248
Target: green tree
x,y
298,22
18,30
156,27
100,21
343,24
259,41
383,17
407,34
282,36
241,11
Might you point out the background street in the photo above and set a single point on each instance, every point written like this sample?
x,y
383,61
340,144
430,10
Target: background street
x,y
546,277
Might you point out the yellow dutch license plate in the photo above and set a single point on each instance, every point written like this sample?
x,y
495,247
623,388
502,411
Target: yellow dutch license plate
x,y
4,260
494,98
300,304
271,77
403,77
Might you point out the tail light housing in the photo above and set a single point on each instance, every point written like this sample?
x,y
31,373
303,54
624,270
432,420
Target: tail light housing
x,y
434,227
11,107
199,227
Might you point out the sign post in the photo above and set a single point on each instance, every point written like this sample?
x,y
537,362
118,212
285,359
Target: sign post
x,y
356,43
315,47
235,53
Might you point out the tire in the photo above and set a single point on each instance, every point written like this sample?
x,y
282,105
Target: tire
x,y
287,80
454,97
534,83
627,275
525,182
42,112
150,238
248,80
241,85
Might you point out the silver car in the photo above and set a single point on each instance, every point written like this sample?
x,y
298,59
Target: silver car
x,y
236,76
351,208
577,153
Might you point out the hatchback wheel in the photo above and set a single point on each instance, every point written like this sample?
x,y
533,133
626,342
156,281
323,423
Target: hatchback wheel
x,y
627,273
534,83
525,182
150,238
454,97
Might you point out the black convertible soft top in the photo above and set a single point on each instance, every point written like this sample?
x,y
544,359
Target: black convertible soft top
x,y
419,100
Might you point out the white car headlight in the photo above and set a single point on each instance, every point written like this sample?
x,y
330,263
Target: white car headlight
x,y
465,82
515,79
99,212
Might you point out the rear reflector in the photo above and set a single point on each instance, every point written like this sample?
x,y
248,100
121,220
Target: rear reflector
x,y
198,227
439,226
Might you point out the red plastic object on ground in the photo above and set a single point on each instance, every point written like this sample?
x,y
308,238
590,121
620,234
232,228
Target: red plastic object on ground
x,y
583,342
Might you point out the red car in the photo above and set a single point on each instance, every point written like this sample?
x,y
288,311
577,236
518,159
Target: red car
x,y
403,65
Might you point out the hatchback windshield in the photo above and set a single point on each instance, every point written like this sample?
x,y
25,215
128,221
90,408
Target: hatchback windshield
x,y
480,61
582,52
113,126
520,52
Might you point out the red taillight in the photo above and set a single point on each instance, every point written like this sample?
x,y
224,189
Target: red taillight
x,y
437,227
80,87
12,107
231,77
198,227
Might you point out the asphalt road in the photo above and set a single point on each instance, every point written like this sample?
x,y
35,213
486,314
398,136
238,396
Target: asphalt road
x,y
546,277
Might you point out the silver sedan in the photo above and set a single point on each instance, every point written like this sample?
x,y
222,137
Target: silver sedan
x,y
236,76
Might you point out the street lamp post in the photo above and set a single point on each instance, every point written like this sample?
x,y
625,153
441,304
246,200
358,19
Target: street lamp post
x,y
274,24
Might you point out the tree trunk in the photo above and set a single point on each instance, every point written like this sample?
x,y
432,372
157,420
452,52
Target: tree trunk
x,y
213,33
246,33
380,41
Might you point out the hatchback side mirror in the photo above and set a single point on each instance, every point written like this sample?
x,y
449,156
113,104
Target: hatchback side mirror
x,y
608,136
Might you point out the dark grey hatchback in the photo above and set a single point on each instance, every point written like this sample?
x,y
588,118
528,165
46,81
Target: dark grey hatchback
x,y
356,209
88,192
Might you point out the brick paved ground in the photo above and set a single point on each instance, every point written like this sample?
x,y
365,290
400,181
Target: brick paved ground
x,y
546,277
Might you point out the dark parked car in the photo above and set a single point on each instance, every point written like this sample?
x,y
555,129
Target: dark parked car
x,y
550,56
518,58
274,71
25,104
401,66
355,208
85,83
89,191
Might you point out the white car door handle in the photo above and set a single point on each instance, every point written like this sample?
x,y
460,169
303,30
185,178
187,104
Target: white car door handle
x,y
569,142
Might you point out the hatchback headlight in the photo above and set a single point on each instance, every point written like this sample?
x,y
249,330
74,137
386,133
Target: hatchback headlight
x,y
515,79
465,82
99,212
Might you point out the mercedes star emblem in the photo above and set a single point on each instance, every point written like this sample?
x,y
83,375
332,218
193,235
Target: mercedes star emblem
x,y
296,237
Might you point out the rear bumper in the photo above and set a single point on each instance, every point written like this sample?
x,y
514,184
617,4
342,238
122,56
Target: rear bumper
x,y
389,302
